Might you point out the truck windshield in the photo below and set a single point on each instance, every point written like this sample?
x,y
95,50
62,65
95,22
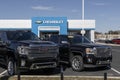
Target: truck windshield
x,y
80,39
58,39
14,35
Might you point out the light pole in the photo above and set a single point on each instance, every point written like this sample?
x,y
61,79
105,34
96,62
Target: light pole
x,y
83,10
83,17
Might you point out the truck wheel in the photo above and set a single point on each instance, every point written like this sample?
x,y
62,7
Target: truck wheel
x,y
11,67
77,63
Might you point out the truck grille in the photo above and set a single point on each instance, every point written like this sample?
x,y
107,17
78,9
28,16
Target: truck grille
x,y
103,52
43,50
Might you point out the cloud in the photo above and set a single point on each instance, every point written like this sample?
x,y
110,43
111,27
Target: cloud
x,y
45,8
99,4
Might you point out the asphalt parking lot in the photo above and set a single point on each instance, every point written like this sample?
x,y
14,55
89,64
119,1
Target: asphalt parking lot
x,y
114,71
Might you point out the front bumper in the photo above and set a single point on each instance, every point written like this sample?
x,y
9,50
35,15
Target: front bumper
x,y
37,63
91,60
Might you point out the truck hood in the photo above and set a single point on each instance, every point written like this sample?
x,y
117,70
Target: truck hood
x,y
91,45
35,43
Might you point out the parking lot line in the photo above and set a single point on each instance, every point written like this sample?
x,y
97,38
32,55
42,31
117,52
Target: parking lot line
x,y
3,72
115,70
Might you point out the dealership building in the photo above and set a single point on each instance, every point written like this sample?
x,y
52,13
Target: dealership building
x,y
46,26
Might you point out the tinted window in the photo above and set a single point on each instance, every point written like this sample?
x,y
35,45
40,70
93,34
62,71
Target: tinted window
x,y
14,35
63,38
54,39
85,40
58,39
2,36
79,39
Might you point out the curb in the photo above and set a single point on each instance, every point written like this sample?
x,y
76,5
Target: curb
x,y
26,77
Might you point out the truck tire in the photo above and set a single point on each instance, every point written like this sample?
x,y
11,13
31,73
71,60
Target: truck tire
x,y
11,67
77,63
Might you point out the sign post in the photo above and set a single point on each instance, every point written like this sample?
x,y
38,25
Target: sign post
x,y
83,17
83,32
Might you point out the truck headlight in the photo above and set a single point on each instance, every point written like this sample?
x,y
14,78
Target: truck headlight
x,y
91,50
22,50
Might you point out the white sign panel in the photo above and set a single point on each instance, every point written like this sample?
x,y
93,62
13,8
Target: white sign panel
x,y
15,24
78,24
49,28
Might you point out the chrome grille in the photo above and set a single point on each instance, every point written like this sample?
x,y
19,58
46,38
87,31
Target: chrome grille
x,y
103,52
42,52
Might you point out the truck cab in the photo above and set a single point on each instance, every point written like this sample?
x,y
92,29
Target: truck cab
x,y
80,52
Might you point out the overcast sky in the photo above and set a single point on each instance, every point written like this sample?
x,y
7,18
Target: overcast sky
x,y
105,12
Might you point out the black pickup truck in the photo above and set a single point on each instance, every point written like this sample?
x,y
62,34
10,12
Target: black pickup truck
x,y
23,50
80,52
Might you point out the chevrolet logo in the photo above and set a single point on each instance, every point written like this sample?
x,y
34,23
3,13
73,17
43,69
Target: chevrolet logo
x,y
39,22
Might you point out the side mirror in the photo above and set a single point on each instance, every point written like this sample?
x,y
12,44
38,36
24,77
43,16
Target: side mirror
x,y
2,43
8,43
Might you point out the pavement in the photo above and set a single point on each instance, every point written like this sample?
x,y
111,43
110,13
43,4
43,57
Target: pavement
x,y
110,44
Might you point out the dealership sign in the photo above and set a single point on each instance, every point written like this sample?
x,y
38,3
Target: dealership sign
x,y
45,24
49,21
